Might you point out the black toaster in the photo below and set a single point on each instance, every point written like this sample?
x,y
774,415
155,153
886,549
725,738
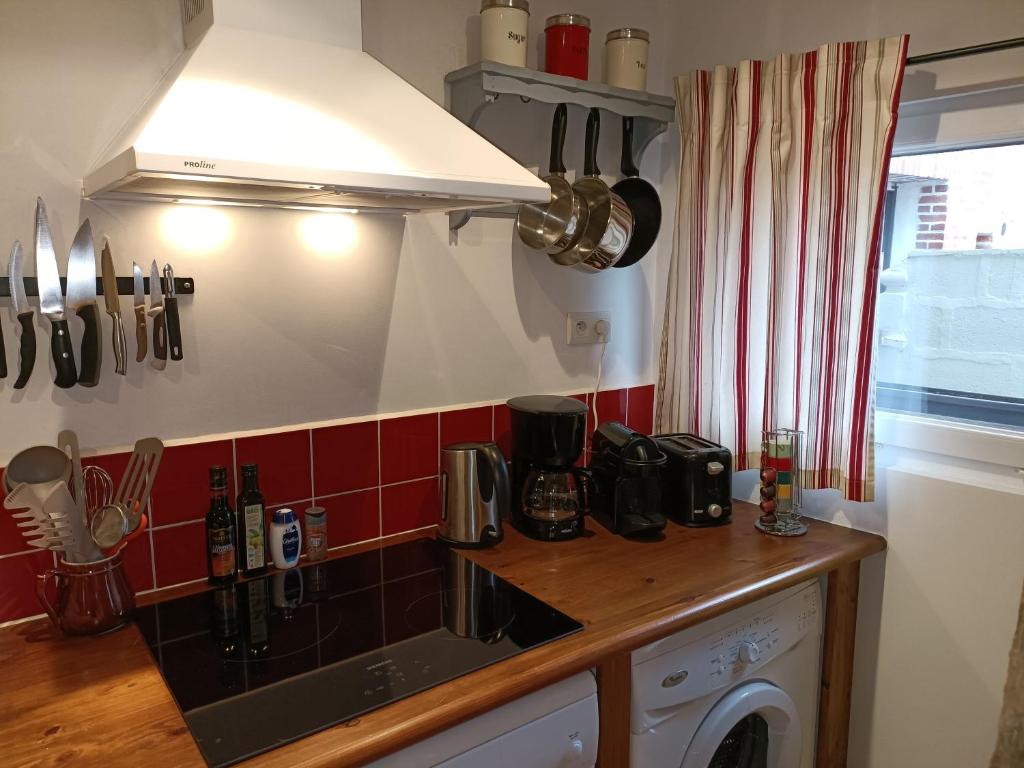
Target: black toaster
x,y
696,480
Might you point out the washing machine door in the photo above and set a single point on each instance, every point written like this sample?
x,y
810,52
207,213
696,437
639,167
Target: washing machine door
x,y
755,725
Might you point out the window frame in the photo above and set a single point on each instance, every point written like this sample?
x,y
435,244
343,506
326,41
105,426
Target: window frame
x,y
939,405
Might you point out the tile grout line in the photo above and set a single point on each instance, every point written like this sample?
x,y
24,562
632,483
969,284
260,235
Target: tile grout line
x,y
312,482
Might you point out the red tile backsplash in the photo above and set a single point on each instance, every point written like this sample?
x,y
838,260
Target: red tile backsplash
x,y
283,460
345,458
372,483
641,409
138,563
467,425
503,429
180,553
611,406
181,491
408,448
352,517
408,506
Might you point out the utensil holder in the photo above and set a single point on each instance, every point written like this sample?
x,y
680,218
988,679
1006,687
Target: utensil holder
x,y
91,598
781,463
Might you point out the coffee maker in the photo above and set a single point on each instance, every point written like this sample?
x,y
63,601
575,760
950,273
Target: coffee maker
x,y
550,496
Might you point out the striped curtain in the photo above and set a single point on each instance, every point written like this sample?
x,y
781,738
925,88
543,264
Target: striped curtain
x,y
769,315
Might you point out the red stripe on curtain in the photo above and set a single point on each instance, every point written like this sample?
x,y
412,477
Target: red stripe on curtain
x,y
857,468
746,245
810,64
836,260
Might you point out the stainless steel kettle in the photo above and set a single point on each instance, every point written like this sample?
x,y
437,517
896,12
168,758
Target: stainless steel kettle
x,y
474,494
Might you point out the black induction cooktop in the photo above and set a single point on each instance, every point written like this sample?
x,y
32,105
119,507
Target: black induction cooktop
x,y
265,662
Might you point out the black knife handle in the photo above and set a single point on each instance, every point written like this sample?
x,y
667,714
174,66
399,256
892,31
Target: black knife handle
x,y
159,337
140,334
63,353
120,345
26,349
89,376
3,355
173,327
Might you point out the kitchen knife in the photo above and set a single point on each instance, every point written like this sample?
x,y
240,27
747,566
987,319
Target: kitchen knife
x,y
81,297
156,311
27,343
113,304
51,301
140,313
171,313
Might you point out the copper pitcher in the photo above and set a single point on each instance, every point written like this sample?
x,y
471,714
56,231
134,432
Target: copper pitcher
x,y
91,598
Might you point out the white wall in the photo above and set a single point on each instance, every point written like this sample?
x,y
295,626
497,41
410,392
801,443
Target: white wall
x,y
278,333
938,609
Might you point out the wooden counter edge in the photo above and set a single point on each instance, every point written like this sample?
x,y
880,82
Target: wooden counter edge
x,y
392,728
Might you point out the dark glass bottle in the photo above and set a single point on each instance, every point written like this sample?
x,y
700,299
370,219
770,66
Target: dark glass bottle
x,y
221,564
252,525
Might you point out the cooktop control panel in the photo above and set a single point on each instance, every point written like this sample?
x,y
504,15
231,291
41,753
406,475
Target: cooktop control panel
x,y
718,653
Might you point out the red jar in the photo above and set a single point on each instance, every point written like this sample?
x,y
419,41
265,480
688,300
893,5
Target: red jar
x,y
567,45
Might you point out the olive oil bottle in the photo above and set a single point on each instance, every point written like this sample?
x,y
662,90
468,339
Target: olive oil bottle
x,y
252,525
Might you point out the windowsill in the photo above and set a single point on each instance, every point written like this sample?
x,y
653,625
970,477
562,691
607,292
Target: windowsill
x,y
973,442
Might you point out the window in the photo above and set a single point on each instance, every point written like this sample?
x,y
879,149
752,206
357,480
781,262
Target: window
x,y
950,318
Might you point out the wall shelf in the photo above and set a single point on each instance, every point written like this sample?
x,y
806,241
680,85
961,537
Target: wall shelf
x,y
470,90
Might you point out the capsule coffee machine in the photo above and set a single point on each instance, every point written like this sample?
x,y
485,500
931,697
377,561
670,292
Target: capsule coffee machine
x,y
550,496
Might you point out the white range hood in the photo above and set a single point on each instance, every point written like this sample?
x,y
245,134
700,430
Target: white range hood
x,y
275,103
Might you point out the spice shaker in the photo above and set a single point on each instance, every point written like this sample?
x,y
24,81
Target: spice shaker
x,y
503,31
316,533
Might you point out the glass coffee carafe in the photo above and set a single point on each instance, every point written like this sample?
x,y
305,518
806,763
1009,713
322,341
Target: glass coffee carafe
x,y
555,495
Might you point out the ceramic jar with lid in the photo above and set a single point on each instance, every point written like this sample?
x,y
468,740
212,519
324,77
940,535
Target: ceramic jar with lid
x,y
503,31
567,45
625,52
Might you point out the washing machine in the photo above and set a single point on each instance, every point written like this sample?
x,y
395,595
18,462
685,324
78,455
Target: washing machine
x,y
738,691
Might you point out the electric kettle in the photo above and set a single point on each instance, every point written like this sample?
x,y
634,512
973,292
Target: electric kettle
x,y
474,494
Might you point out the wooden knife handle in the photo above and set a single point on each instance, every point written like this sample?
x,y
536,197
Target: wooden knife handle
x,y
120,347
140,334
26,349
63,353
89,375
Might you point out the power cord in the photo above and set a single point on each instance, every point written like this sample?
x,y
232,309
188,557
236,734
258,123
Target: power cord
x,y
601,329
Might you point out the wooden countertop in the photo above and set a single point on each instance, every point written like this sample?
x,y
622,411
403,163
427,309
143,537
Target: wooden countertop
x,y
101,701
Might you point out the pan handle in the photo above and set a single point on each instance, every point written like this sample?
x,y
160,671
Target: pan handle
x,y
590,152
628,167
558,126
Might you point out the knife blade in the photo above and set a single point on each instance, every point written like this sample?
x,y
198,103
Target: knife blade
x,y
156,311
140,313
171,313
81,297
112,301
24,313
51,301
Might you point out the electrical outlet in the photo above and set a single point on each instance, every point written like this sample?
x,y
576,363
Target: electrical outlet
x,y
584,328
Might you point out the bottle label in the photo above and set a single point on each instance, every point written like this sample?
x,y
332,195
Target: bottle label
x,y
222,552
290,543
254,532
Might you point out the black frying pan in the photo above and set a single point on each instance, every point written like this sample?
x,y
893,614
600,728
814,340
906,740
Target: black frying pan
x,y
642,199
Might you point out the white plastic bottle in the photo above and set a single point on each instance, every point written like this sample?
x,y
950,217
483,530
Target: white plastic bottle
x,y
285,538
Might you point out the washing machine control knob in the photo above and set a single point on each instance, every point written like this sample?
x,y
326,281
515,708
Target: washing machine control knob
x,y
576,747
749,652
